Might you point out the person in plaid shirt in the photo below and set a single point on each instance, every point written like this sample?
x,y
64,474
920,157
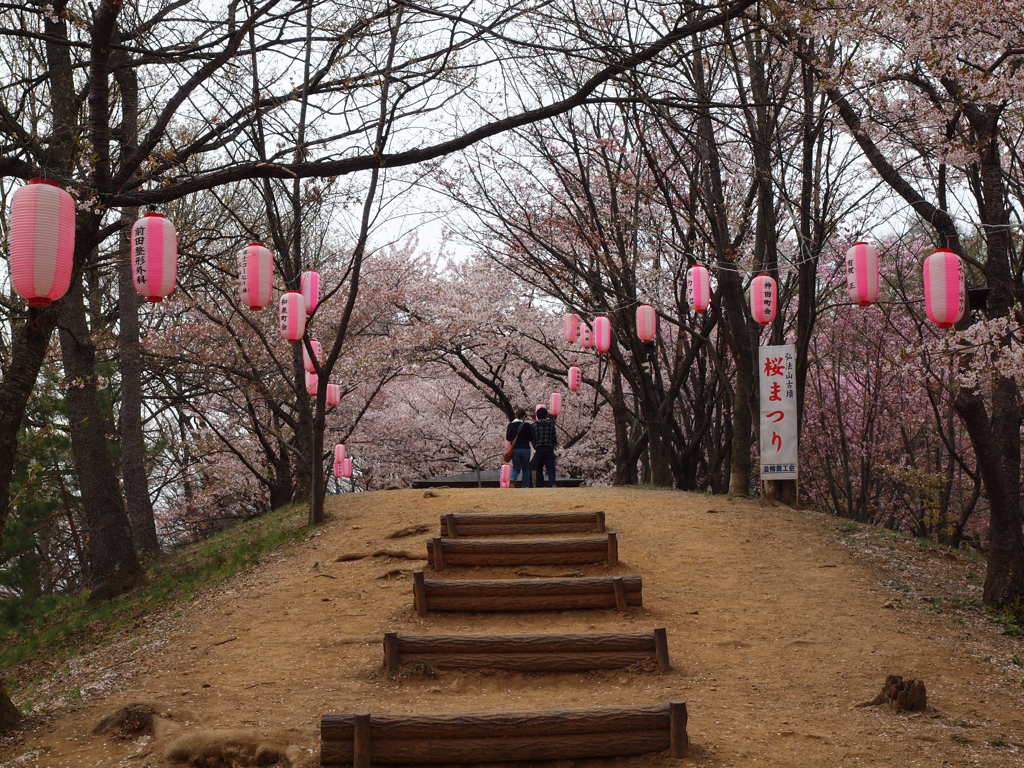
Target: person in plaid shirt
x,y
545,440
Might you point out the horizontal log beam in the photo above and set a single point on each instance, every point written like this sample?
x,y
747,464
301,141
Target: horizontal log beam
x,y
583,641
547,523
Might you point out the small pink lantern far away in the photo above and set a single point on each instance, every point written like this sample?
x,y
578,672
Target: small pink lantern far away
x,y
698,288
292,316
646,322
862,278
255,275
312,382
555,403
764,298
570,327
506,476
307,361
337,469
944,295
309,283
346,467
333,394
42,241
574,378
154,256
602,334
585,340
339,452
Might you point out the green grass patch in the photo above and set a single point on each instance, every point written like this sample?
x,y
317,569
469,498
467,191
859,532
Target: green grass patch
x,y
57,627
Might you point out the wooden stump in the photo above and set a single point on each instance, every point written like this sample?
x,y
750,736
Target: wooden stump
x,y
901,695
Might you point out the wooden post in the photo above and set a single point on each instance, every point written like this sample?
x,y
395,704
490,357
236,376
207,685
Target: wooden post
x,y
438,554
620,593
391,652
661,649
677,718
419,594
361,741
613,548
600,521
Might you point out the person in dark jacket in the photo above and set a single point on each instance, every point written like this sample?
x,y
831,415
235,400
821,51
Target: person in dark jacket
x,y
545,440
520,434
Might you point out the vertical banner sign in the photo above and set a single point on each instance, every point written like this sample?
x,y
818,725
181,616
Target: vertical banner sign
x,y
777,366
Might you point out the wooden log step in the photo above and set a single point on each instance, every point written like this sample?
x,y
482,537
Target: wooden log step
x,y
362,740
473,524
445,552
544,594
553,652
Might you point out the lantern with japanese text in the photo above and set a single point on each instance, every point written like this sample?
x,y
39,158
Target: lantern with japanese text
x,y
555,403
698,288
339,452
944,293
346,467
42,242
574,378
333,394
309,284
154,256
646,322
292,316
764,299
585,339
312,382
602,334
337,468
307,360
506,476
255,275
862,278
570,327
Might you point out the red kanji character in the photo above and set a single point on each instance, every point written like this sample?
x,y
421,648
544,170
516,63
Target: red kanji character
x,y
777,441
776,389
774,414
773,366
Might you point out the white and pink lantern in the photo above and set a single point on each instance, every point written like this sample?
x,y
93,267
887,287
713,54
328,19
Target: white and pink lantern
x,y
333,395
602,334
339,452
585,339
309,284
862,277
646,322
346,467
154,256
292,316
574,378
570,328
764,299
307,360
506,476
698,288
312,382
42,241
555,403
944,294
255,275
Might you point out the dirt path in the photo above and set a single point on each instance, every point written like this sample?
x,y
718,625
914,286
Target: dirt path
x,y
775,632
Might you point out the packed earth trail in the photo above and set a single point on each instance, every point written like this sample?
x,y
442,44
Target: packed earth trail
x,y
776,633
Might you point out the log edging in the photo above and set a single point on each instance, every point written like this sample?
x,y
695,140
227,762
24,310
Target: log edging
x,y
541,594
475,524
443,551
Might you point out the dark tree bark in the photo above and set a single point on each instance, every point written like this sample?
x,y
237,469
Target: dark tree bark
x,y
9,714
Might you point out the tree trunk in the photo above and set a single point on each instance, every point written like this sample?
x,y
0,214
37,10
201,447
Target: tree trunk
x,y
113,566
9,714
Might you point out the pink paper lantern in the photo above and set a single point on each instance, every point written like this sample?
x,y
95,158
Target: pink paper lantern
x,y
307,361
574,378
944,293
312,382
862,278
255,275
698,288
346,467
333,394
602,334
764,299
646,322
339,452
42,242
309,283
555,403
154,256
570,327
292,316
586,341
506,476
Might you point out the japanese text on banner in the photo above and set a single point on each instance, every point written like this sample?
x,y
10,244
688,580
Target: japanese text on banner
x,y
777,368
